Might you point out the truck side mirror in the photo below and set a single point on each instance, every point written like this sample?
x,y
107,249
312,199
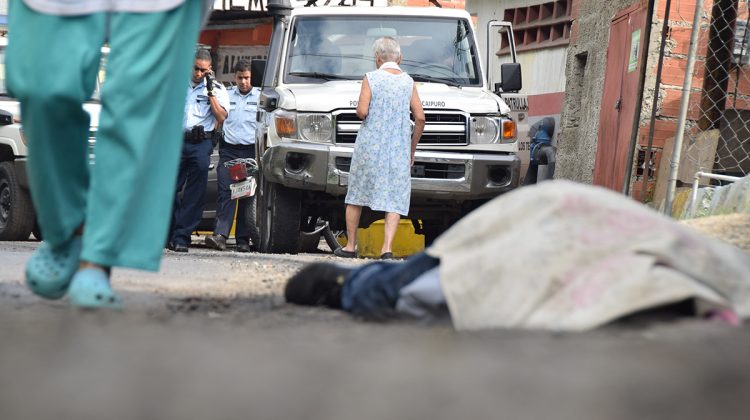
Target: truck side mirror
x,y
257,69
6,118
510,74
269,99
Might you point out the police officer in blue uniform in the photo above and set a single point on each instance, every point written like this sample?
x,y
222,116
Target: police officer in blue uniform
x,y
238,143
205,111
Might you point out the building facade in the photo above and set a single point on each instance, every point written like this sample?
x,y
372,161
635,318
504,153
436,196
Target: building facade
x,y
620,115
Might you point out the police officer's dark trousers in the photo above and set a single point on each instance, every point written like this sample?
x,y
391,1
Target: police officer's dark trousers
x,y
225,211
191,179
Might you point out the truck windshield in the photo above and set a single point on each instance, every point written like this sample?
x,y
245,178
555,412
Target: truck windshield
x,y
434,50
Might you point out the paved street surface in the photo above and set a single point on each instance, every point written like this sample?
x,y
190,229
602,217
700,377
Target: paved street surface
x,y
209,337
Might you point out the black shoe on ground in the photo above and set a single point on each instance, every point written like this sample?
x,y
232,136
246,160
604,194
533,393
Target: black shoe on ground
x,y
243,248
217,242
341,252
386,256
179,248
170,246
317,284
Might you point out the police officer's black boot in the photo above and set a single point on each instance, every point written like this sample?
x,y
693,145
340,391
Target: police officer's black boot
x,y
217,242
243,247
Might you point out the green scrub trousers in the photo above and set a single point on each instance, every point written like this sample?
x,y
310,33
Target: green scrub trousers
x,y
124,199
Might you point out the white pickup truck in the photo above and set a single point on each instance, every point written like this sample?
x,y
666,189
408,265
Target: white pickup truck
x,y
311,80
17,216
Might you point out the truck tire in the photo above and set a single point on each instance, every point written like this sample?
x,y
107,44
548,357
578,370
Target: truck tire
x,y
16,210
279,219
251,219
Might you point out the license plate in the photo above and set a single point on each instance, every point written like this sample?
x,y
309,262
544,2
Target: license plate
x,y
243,189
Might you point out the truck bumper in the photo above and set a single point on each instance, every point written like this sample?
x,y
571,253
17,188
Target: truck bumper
x,y
437,175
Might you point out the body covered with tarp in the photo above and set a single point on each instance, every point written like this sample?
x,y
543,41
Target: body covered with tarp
x,y
566,256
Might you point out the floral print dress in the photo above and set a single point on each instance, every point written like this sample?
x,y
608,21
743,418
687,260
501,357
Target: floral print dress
x,y
380,174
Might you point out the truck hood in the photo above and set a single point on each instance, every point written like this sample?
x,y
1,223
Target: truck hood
x,y
342,94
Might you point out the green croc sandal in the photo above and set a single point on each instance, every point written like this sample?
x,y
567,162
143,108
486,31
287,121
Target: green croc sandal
x,y
90,289
49,270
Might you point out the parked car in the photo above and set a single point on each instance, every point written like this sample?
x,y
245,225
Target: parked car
x,y
17,216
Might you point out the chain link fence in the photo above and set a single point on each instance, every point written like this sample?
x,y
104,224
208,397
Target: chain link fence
x,y
717,119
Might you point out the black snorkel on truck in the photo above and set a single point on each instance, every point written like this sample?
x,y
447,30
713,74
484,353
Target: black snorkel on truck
x,y
264,71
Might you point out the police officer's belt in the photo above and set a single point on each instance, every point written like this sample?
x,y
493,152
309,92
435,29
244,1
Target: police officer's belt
x,y
196,136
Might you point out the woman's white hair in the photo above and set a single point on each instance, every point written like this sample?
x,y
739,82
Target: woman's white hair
x,y
387,49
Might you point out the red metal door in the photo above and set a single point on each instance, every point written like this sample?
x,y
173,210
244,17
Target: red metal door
x,y
619,99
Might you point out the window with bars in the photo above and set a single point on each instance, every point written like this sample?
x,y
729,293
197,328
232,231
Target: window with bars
x,y
542,25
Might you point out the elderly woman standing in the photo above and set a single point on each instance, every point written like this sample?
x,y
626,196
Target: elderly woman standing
x,y
380,174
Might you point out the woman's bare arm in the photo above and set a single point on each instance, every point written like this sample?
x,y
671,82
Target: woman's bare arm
x,y
365,94
418,112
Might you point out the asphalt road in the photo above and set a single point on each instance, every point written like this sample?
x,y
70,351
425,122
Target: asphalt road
x,y
210,337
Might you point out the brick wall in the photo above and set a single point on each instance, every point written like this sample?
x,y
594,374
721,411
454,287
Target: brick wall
x,y
673,77
675,64
587,59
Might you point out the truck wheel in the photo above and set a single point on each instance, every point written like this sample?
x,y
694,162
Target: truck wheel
x,y
279,219
251,219
16,211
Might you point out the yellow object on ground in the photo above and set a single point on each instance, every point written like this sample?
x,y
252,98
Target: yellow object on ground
x,y
406,242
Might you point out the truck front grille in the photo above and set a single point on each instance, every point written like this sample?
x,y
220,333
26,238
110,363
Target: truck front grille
x,y
420,170
449,128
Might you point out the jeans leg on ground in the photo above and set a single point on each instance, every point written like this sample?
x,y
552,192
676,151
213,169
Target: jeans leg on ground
x,y
372,290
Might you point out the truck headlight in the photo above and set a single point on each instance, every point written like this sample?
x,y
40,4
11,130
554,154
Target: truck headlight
x,y
491,130
484,130
315,127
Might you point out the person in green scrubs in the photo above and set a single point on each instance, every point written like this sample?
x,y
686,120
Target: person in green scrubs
x,y
115,211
